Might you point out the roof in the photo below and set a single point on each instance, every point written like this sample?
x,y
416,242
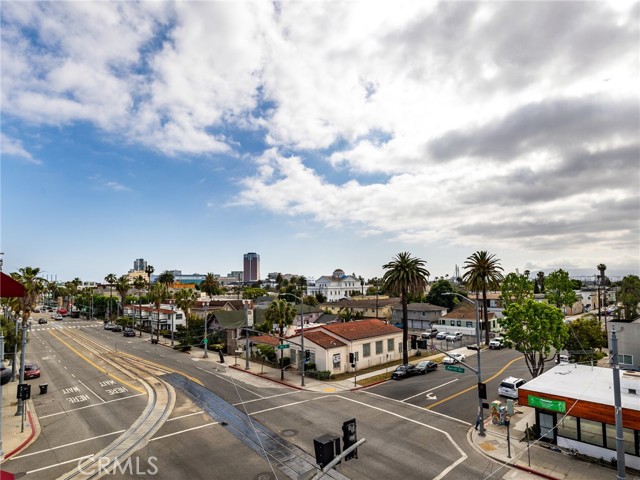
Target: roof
x,y
583,382
10,287
230,319
266,340
421,307
368,303
466,312
323,339
361,329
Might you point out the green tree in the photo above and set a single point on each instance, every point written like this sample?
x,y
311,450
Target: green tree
x,y
282,313
540,282
321,297
515,289
310,300
483,274
533,328
33,288
436,295
405,275
110,279
140,283
559,289
585,335
123,284
251,293
629,296
185,300
72,287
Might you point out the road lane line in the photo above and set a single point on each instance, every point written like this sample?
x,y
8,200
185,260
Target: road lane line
x,y
58,464
187,415
183,431
473,387
235,384
133,387
67,445
265,398
89,406
427,391
99,398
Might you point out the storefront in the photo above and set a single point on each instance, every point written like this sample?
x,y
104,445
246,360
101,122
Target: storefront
x,y
575,409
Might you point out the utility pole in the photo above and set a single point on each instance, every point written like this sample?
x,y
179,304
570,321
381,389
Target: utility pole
x,y
22,354
617,402
1,365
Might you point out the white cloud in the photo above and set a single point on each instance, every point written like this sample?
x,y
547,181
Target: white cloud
x,y
13,147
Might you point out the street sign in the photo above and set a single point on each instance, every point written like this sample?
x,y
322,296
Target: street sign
x,y
453,368
283,346
206,340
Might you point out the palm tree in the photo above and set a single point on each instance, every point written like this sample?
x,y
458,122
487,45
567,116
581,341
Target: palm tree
x,y
110,279
157,293
405,275
139,283
540,283
123,284
33,287
281,312
166,277
483,274
185,300
72,289
210,285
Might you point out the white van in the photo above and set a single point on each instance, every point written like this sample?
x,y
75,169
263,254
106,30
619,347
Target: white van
x,y
509,387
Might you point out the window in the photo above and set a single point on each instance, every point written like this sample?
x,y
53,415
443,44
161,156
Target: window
x,y
366,350
568,427
459,323
627,436
469,325
591,432
400,347
452,323
625,359
390,345
379,347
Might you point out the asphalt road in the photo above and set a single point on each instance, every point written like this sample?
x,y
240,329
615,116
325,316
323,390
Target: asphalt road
x,y
83,412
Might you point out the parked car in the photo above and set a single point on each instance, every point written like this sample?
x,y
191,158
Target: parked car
x,y
426,366
109,326
42,321
116,328
441,335
457,357
509,387
128,332
62,311
429,334
31,370
496,343
403,371
454,337
56,316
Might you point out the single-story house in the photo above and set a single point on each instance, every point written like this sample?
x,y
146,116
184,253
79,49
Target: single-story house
x,y
420,316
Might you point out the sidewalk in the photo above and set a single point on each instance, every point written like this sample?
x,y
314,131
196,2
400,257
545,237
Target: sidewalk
x,y
14,437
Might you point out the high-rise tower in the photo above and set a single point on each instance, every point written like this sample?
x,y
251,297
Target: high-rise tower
x,y
251,269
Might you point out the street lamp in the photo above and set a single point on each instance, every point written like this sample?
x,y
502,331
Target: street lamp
x,y
206,333
478,371
302,355
172,306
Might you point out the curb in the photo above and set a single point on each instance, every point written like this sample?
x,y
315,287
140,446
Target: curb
x,y
24,444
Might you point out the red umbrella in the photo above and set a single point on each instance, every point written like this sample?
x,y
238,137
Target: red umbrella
x,y
10,288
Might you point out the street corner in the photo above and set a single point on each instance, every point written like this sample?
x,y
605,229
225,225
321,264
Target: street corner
x,y
18,432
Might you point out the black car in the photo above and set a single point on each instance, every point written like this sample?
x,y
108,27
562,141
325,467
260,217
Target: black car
x,y
116,328
41,321
129,333
426,366
403,371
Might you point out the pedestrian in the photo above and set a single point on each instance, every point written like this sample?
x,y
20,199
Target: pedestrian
x,y
478,420
221,356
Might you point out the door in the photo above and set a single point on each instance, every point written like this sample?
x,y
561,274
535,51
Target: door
x,y
546,422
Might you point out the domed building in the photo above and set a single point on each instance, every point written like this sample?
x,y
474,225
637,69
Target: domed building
x,y
336,287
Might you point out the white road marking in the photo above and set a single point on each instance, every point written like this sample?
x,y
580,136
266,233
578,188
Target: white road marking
x,y
427,391
99,398
68,444
230,381
76,460
266,398
66,412
183,431
431,396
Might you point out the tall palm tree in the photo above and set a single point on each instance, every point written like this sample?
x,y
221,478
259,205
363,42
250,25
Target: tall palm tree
x,y
110,279
210,285
123,284
483,273
157,294
405,275
185,300
72,289
33,288
281,312
139,283
540,277
603,300
166,277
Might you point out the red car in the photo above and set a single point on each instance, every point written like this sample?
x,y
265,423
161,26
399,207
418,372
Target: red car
x,y
62,311
31,370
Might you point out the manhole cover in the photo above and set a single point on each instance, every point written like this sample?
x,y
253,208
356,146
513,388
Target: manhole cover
x,y
289,433
265,476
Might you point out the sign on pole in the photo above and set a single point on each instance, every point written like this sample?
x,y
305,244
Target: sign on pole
x,y
453,368
283,346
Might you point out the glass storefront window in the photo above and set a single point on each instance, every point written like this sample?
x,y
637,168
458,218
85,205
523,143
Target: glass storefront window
x,y
568,427
591,432
627,436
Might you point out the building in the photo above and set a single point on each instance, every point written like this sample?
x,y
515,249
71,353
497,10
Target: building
x,y
463,319
139,265
574,408
337,286
628,334
420,316
251,268
368,307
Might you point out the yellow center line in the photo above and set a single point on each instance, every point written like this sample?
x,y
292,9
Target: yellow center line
x,y
474,387
137,389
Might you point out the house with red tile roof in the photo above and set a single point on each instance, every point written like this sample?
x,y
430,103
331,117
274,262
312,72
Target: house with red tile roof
x,y
373,342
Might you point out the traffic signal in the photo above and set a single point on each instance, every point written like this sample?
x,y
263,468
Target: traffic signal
x,y
349,437
482,391
307,355
414,342
352,358
327,447
24,391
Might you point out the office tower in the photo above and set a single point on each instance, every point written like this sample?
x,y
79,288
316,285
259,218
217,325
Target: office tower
x,y
139,265
251,268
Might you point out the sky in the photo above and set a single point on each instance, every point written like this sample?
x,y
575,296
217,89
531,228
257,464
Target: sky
x,y
320,135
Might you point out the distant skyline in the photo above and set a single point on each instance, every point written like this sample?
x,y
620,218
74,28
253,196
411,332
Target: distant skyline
x,y
320,135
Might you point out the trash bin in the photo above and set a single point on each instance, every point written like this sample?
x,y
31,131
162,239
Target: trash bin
x,y
43,388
